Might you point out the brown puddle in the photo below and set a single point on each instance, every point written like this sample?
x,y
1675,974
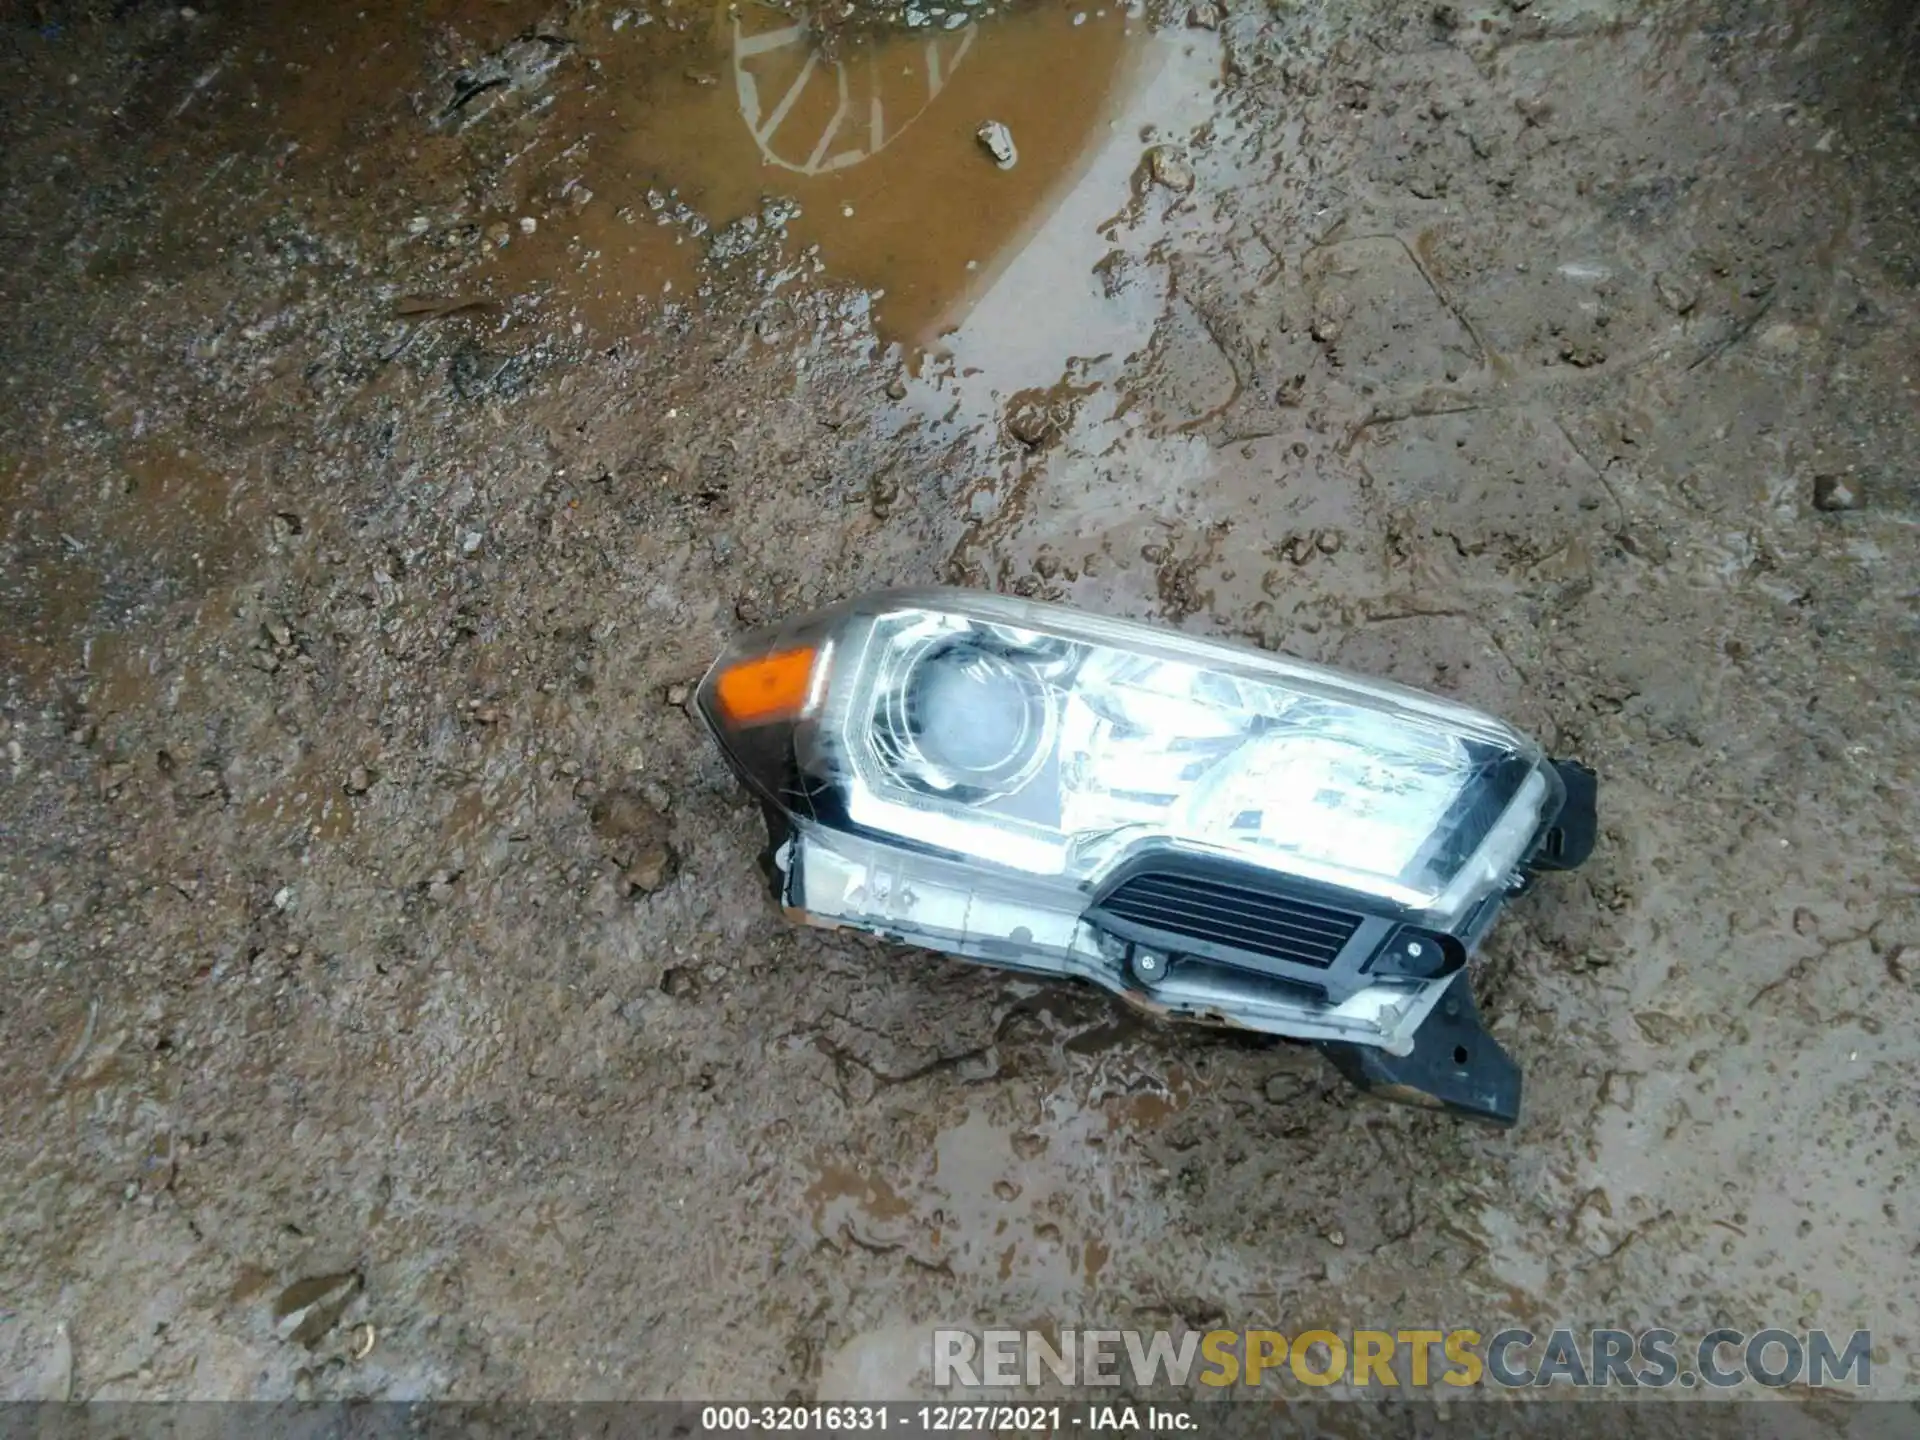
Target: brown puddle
x,y
878,143
600,169
869,1193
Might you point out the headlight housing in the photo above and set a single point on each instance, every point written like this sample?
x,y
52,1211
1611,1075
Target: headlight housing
x,y
1211,831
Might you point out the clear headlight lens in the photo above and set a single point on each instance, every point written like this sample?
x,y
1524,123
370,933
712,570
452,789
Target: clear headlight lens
x,y
1059,745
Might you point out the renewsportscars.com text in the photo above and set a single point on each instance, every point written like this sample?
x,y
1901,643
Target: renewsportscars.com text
x,y
1511,1359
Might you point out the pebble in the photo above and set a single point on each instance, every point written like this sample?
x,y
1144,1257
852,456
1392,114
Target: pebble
x,y
896,389
307,1309
1033,425
651,868
1207,16
1674,293
1283,1089
528,224
633,831
677,695
1330,311
1782,339
1835,492
997,140
359,780
1168,167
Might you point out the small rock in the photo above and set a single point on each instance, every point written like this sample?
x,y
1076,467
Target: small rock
x,y
359,780
1674,292
1330,311
1284,1089
1617,1090
1168,167
1033,423
528,224
307,1309
997,140
1206,16
470,542
896,389
498,234
1660,1028
1835,492
1335,1237
679,982
1328,541
1534,109
678,694
54,1380
633,832
653,865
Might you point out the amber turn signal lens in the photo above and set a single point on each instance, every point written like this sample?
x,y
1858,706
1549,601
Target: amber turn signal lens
x,y
766,688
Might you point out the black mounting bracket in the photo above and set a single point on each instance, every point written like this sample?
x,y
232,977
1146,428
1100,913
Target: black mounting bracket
x,y
1455,1065
1569,840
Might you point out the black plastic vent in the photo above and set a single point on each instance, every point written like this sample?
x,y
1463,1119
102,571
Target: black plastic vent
x,y
1227,915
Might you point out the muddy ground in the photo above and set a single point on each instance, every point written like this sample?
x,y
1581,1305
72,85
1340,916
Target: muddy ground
x,y
402,404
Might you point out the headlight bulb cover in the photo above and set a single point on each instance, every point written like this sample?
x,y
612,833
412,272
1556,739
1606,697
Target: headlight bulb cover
x,y
1213,832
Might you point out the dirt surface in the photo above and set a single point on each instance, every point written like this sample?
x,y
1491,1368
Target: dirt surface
x,y
402,404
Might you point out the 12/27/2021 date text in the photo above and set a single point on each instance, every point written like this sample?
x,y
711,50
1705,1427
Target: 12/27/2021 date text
x,y
965,1419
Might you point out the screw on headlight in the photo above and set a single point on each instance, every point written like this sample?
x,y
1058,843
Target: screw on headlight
x,y
1149,966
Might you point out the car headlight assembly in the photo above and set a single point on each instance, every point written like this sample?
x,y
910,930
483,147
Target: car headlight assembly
x,y
1212,832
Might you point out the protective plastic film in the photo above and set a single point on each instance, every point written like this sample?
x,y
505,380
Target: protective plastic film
x,y
1056,744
